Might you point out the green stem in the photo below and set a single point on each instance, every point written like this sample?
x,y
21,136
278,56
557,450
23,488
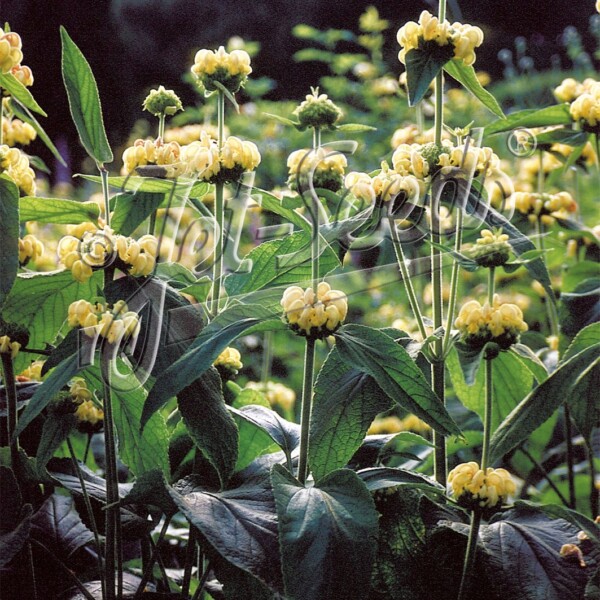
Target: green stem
x,y
112,512
406,279
267,358
545,474
161,567
570,457
104,179
11,408
90,512
594,492
487,415
420,117
32,569
470,554
307,392
540,178
161,125
314,249
150,565
453,283
316,138
200,589
190,553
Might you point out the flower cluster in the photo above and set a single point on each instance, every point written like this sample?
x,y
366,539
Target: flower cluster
x,y
476,490
384,186
187,134
460,39
11,54
491,249
33,372
8,346
276,393
545,207
324,166
14,131
314,315
231,70
230,361
498,323
585,109
13,337
113,323
411,134
89,416
570,89
15,164
144,153
30,248
317,111
95,248
393,424
162,102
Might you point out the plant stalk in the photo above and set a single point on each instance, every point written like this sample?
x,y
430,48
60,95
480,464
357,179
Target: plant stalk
x,y
161,125
190,553
267,358
594,492
570,457
104,179
10,386
470,554
487,415
307,392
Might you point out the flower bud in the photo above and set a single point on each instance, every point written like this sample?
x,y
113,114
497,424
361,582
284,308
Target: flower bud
x,y
229,361
162,102
317,111
491,249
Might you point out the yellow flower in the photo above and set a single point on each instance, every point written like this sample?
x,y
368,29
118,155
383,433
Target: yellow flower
x,y
491,249
413,423
276,393
388,185
230,359
499,323
15,164
326,168
361,185
568,90
139,256
23,74
14,131
7,346
79,390
385,425
33,371
30,248
236,157
411,134
88,413
113,324
229,69
475,489
545,207
585,109
148,152
10,51
314,315
202,157
82,255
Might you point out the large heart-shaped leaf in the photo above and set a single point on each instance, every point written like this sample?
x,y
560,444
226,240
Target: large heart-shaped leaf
x,y
84,100
240,524
57,524
346,400
422,66
328,535
373,352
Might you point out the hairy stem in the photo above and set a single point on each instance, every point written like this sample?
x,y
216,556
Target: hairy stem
x,y
487,415
307,392
570,457
594,492
104,179
470,554
11,408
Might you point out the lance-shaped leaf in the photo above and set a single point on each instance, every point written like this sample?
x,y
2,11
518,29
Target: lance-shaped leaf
x,y
345,402
56,210
532,117
240,524
465,75
9,234
209,423
327,533
379,478
18,91
542,402
198,358
84,100
132,209
55,431
422,66
373,352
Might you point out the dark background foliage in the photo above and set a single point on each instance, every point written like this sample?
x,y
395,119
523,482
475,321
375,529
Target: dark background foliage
x,y
133,45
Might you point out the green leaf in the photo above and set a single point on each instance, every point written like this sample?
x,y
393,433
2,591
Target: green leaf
x,y
327,534
132,209
541,403
9,234
198,358
531,361
227,94
522,550
585,408
346,400
23,113
469,360
57,210
84,100
141,453
422,66
57,428
532,117
280,262
564,135
40,302
275,205
254,441
373,352
280,119
580,307
249,397
465,75
512,381
151,488
18,91
44,394
379,478
209,423
355,128
240,524
182,188
12,542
